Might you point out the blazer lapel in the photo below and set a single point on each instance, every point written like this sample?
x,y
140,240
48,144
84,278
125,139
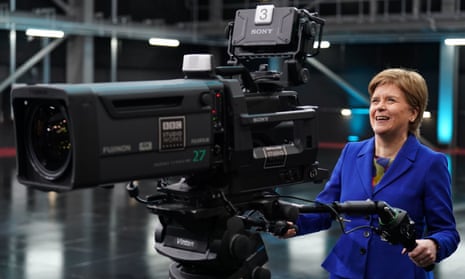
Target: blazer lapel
x,y
364,163
401,163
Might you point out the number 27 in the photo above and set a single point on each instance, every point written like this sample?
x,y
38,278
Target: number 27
x,y
199,155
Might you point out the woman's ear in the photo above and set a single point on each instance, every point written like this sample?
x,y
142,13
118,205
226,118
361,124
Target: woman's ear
x,y
414,115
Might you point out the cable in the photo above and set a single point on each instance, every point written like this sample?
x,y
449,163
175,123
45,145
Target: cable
x,y
229,206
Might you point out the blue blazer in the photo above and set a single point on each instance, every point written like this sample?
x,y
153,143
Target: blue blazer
x,y
417,181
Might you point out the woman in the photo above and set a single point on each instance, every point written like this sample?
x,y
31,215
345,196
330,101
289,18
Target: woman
x,y
393,166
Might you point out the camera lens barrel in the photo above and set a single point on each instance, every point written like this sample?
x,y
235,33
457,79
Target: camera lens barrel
x,y
48,140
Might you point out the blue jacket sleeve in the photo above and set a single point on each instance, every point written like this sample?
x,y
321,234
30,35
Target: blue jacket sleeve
x,y
440,221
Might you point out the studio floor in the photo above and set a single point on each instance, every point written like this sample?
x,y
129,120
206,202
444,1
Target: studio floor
x,y
102,233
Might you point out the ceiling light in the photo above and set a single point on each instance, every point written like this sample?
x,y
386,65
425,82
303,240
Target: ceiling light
x,y
163,42
47,33
354,111
427,114
455,42
324,44
346,112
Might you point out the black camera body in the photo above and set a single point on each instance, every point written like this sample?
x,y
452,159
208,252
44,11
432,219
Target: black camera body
x,y
113,132
75,136
224,132
218,141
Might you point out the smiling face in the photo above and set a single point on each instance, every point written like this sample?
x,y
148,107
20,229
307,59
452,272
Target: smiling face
x,y
390,114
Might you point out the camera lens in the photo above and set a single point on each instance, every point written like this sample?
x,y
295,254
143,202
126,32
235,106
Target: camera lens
x,y
49,142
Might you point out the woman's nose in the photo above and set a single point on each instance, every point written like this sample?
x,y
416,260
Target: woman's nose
x,y
380,105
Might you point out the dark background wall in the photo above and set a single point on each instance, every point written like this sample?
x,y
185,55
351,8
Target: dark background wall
x,y
355,63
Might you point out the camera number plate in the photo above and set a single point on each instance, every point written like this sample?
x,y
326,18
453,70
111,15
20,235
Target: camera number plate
x,y
264,14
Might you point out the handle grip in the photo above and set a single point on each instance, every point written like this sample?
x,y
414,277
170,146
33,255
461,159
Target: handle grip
x,y
426,268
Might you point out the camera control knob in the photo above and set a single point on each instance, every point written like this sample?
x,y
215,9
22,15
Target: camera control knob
x,y
240,246
261,273
206,99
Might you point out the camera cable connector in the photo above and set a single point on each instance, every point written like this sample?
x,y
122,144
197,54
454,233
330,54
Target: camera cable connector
x,y
133,190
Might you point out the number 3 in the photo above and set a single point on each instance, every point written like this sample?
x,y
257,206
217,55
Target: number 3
x,y
264,14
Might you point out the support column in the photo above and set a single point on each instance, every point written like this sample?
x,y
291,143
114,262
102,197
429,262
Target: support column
x,y
46,62
114,42
447,97
12,40
448,6
80,50
373,10
12,49
215,11
5,98
416,9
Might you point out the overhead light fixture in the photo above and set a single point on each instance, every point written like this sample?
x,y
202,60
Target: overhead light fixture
x,y
46,33
455,42
358,111
164,42
427,114
346,112
324,44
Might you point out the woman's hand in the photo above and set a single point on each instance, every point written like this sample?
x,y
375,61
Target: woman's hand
x,y
424,254
290,232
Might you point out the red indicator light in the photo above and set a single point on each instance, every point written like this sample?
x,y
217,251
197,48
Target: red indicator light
x,y
218,95
213,111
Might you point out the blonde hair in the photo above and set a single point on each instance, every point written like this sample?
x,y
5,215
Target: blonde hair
x,y
412,84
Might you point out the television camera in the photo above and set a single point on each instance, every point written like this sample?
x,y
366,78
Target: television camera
x,y
217,143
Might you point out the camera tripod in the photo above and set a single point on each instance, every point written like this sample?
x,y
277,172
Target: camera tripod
x,y
211,242
230,252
